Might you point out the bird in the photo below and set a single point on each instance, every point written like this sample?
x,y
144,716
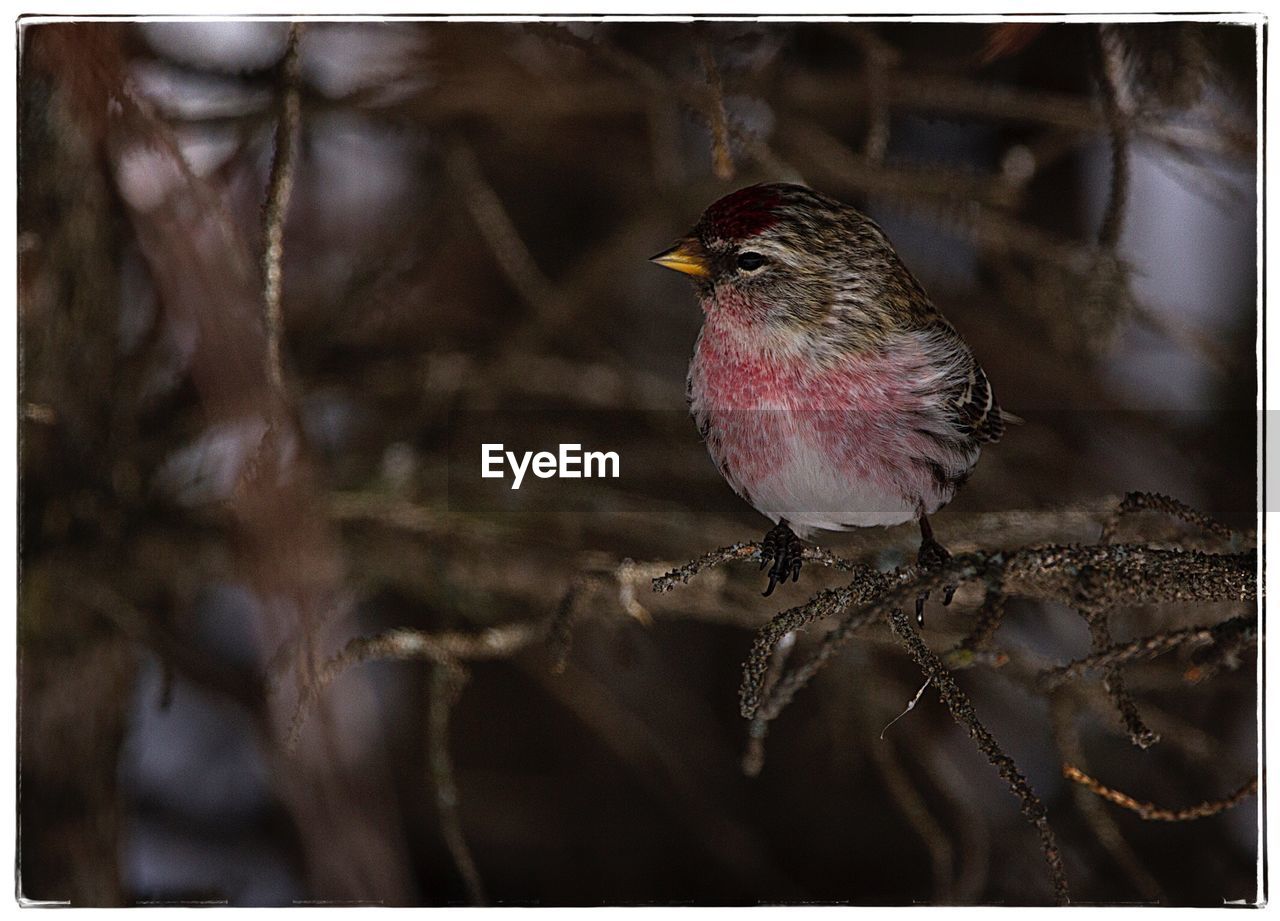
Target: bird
x,y
829,390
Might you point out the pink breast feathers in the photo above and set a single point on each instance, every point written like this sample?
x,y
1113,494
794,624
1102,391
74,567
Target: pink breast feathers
x,y
822,448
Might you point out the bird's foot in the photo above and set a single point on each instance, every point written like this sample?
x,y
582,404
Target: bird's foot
x,y
932,555
785,549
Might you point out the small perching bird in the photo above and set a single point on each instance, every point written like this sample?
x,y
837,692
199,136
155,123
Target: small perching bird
x,y
830,391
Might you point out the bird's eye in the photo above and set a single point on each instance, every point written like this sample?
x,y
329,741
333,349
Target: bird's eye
x,y
749,262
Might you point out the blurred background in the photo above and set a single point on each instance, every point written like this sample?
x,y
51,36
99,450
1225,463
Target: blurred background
x,y
468,210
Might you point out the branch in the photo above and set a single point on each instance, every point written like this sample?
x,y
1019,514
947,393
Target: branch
x,y
1152,501
963,713
1066,736
279,191
1114,108
721,157
1243,628
1153,813
404,644
1119,573
505,243
447,682
1098,619
681,575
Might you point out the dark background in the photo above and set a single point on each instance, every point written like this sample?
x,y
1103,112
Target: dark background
x,y
473,205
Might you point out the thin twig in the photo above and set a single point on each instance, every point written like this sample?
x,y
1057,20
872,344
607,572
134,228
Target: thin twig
x,y
1066,736
279,191
971,649
1098,619
1134,502
499,231
963,713
879,60
404,644
758,730
916,811
721,156
447,681
1118,118
753,701
1149,647
1153,813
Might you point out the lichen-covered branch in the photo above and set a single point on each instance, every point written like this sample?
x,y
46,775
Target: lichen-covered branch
x,y
1235,629
680,575
1122,573
1097,617
1134,502
963,713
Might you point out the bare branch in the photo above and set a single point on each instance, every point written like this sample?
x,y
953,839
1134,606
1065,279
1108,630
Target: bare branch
x,y
499,231
1115,109
922,821
1149,647
721,156
405,644
1066,736
1121,573
447,681
279,191
979,637
1153,813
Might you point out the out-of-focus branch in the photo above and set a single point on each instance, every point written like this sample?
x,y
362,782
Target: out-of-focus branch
x,y
1154,813
406,644
1066,736
879,60
448,678
962,710
721,156
1115,108
274,211
916,811
494,223
1243,628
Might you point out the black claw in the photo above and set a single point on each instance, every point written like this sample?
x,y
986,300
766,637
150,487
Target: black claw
x,y
931,556
781,547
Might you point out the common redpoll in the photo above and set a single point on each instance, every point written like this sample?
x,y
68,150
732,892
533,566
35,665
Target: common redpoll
x,y
830,391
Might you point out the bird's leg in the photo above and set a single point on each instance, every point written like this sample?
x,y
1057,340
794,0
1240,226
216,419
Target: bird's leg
x,y
932,555
782,547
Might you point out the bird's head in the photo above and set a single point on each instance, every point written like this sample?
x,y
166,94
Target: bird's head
x,y
794,258
778,247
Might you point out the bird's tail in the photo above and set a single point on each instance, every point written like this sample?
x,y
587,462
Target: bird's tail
x,y
1010,419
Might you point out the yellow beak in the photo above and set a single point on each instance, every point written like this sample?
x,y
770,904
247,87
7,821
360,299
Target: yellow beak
x,y
687,256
